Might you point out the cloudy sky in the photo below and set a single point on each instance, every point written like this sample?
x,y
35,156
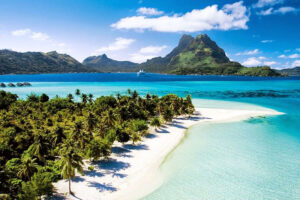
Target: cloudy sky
x,y
253,32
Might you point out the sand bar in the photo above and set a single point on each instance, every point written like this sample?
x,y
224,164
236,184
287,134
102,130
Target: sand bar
x,y
133,170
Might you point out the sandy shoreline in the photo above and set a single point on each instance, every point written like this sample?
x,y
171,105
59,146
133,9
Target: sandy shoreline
x,y
133,170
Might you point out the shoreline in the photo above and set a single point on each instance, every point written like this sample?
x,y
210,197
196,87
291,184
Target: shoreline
x,y
133,168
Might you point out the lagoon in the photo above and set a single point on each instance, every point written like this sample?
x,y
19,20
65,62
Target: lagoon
x,y
254,159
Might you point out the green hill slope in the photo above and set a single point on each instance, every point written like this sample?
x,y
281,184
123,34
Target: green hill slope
x,y
105,64
12,62
203,56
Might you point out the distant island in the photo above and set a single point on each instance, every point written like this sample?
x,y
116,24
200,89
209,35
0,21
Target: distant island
x,y
199,55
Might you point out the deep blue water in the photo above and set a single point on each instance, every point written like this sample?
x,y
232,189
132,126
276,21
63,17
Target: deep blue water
x,y
128,77
255,159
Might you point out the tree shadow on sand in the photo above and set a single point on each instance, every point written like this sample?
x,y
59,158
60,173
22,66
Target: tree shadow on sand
x,y
151,136
77,179
93,173
119,150
112,164
162,131
135,147
103,187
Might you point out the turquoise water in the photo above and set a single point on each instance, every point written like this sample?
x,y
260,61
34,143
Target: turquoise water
x,y
255,159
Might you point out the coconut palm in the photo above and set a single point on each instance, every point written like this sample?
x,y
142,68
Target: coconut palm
x,y
84,98
155,122
27,168
90,98
77,92
109,118
39,148
70,162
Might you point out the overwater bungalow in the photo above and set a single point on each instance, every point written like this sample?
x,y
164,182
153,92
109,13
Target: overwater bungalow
x,y
20,84
26,84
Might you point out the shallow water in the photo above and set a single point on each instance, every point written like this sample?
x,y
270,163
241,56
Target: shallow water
x,y
254,159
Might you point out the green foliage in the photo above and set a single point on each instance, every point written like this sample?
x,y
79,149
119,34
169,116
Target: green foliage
x,y
91,168
105,64
290,71
39,185
38,62
98,148
7,98
155,122
43,140
257,71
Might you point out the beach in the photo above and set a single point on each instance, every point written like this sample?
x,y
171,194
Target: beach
x,y
132,170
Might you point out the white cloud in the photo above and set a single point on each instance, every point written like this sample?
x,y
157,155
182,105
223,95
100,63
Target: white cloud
x,y
21,32
253,52
294,55
231,16
296,63
282,10
139,58
262,58
152,49
267,41
250,62
119,44
269,63
149,11
33,35
264,3
39,36
265,12
282,56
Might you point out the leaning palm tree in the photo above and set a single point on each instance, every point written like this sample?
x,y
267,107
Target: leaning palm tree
x,y
70,162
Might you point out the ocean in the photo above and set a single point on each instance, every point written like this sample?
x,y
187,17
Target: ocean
x,y
256,159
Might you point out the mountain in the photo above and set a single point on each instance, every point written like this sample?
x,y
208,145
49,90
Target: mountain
x,y
12,62
290,71
105,64
201,55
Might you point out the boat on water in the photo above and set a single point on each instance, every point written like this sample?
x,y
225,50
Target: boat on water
x,y
141,73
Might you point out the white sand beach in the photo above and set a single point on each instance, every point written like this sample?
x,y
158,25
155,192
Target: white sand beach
x,y
132,171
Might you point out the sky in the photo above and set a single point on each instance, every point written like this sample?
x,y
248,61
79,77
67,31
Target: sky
x,y
252,32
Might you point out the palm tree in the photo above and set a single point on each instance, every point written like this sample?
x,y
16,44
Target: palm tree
x,y
134,95
78,134
155,122
77,92
39,148
135,137
28,167
58,135
70,161
168,115
70,97
84,98
91,98
109,118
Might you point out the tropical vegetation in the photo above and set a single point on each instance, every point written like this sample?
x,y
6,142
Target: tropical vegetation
x,y
45,139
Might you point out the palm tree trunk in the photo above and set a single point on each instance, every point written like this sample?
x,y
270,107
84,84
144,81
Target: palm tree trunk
x,y
70,186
